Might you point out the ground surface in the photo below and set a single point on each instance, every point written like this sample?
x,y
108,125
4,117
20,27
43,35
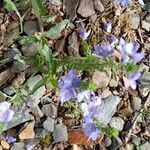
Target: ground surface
x,y
40,121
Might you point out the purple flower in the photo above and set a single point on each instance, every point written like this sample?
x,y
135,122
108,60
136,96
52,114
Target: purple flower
x,y
84,34
6,114
133,79
103,50
107,27
113,40
123,3
129,52
67,85
90,130
67,94
90,108
10,139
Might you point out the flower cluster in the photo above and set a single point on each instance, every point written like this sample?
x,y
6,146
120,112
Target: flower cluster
x,y
129,52
69,89
6,113
90,107
68,85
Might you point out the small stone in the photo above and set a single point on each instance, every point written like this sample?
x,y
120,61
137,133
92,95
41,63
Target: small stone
x,y
73,48
8,90
101,79
136,102
86,8
50,110
98,5
146,25
34,99
60,133
114,82
29,49
36,111
145,80
28,132
108,108
5,145
19,67
30,27
11,53
18,146
49,124
134,21
117,122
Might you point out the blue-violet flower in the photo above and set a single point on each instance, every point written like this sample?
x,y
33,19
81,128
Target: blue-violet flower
x,y
133,79
129,52
103,50
68,85
6,113
84,34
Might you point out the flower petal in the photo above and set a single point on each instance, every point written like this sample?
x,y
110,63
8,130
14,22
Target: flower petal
x,y
137,57
67,94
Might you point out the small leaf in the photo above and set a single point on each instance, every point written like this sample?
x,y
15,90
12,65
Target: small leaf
x,y
57,29
38,85
87,48
131,68
28,39
38,8
11,6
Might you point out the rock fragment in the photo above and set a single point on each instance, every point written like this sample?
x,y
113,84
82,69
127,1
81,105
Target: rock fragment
x,y
86,8
117,122
60,133
30,27
18,146
28,132
108,108
101,79
98,5
49,124
134,21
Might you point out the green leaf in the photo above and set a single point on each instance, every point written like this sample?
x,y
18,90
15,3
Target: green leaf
x,y
87,84
57,29
112,132
54,67
38,85
38,8
1,127
46,51
22,4
10,5
28,39
87,48
131,68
